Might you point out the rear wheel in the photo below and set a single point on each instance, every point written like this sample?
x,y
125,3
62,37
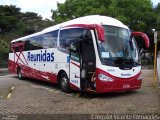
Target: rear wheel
x,y
19,73
64,83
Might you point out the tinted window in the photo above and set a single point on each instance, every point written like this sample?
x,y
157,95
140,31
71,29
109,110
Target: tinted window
x,y
33,43
14,46
43,41
49,40
69,36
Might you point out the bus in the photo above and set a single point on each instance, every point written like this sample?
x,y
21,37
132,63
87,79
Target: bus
x,y
92,53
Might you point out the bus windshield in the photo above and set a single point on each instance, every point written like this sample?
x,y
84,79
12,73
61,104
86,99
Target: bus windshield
x,y
118,48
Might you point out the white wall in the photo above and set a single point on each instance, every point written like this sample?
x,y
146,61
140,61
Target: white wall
x,y
158,67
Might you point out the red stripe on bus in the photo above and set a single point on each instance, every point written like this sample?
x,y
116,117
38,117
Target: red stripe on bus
x,y
75,64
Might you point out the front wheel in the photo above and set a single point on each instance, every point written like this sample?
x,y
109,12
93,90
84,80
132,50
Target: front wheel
x,y
19,73
64,83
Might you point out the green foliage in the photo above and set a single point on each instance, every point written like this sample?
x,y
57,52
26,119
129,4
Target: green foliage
x,y
138,15
157,11
134,13
14,24
4,49
9,17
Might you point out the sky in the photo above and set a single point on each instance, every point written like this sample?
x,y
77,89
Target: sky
x,y
42,7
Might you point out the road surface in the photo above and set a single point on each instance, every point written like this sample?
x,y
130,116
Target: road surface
x,y
37,99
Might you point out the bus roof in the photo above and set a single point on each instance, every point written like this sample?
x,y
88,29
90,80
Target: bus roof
x,y
92,19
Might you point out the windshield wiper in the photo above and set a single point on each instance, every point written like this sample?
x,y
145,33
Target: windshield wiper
x,y
118,60
123,61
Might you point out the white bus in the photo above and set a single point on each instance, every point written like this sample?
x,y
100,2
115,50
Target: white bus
x,y
92,53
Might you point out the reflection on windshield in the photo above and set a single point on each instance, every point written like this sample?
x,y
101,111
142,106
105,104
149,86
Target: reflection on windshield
x,y
118,46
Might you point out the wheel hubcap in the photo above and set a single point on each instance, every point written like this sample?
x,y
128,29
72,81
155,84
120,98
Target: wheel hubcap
x,y
19,73
64,82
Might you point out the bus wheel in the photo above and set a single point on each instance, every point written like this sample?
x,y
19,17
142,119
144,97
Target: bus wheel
x,y
64,84
19,73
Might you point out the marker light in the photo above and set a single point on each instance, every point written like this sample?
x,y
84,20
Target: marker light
x,y
104,78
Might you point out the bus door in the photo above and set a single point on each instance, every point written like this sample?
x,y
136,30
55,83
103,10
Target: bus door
x,y
83,63
77,70
88,66
75,65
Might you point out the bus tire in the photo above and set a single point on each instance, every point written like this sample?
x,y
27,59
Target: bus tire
x,y
64,83
19,73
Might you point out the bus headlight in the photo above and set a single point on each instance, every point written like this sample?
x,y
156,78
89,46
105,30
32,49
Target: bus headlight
x,y
104,78
140,77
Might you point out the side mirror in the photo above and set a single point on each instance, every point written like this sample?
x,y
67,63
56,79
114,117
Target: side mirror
x,y
144,37
100,32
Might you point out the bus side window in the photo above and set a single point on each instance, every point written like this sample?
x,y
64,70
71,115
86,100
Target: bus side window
x,y
49,40
62,40
75,56
15,48
33,43
69,36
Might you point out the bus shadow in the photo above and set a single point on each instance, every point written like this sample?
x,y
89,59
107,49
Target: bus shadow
x,y
81,94
87,95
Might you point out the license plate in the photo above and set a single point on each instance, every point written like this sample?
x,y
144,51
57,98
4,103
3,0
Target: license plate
x,y
126,86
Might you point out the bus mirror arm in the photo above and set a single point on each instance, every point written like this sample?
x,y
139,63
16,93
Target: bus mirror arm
x,y
144,37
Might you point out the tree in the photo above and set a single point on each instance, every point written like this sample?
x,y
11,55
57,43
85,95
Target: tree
x,y
134,13
14,23
3,53
138,15
9,17
157,11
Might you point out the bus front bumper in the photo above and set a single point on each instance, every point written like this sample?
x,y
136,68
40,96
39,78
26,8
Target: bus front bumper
x,y
118,84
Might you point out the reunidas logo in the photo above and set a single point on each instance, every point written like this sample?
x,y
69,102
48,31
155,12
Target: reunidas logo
x,y
43,56
127,74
